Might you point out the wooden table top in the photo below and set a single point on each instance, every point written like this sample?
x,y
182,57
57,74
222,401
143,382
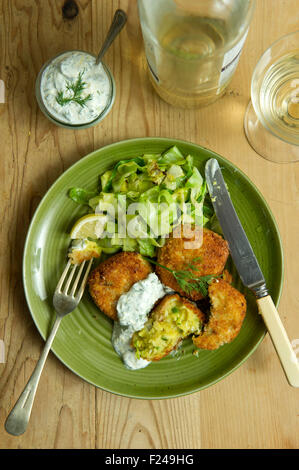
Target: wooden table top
x,y
252,408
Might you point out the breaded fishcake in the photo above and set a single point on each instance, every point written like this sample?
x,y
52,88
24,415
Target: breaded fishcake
x,y
86,252
226,275
115,276
209,257
172,320
228,310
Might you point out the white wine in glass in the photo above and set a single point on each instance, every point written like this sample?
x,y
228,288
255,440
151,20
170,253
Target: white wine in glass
x,y
272,117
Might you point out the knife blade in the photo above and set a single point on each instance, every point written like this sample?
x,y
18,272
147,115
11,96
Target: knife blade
x,y
240,248
249,269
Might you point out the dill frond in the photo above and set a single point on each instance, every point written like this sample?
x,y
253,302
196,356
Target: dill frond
x,y
187,280
76,88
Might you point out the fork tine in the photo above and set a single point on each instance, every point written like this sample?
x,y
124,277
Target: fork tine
x,y
69,280
82,287
63,275
77,278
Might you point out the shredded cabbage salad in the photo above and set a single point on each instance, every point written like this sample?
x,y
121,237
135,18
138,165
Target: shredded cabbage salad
x,y
142,199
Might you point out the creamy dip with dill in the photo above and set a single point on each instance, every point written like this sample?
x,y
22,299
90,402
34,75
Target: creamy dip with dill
x,y
133,308
74,89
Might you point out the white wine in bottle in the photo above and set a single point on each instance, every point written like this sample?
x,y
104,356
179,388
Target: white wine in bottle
x,y
193,47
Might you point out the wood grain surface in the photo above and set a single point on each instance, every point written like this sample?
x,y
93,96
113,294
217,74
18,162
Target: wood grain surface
x,y
252,408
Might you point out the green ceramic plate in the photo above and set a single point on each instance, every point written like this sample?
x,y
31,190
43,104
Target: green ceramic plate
x,y
83,339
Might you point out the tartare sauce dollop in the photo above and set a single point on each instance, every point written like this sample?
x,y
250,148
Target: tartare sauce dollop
x,y
133,308
74,89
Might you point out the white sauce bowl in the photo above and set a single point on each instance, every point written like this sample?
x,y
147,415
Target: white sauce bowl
x,y
64,69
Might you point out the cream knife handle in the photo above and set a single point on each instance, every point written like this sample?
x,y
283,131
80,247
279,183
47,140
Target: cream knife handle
x,y
280,339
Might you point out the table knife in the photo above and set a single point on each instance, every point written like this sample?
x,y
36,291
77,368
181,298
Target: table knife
x,y
249,269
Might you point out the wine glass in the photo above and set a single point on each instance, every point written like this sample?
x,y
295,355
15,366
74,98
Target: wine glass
x,y
271,120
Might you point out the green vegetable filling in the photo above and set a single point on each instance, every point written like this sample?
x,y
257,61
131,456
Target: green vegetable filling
x,y
163,334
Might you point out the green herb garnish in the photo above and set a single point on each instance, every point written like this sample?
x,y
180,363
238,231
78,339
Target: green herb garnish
x,y
187,280
76,88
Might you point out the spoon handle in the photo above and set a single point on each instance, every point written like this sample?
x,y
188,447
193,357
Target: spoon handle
x,y
118,22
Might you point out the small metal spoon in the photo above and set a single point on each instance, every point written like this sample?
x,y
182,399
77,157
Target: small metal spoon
x,y
118,22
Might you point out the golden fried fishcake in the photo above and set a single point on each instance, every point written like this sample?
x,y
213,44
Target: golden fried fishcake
x,y
89,250
172,320
228,310
209,258
115,276
226,275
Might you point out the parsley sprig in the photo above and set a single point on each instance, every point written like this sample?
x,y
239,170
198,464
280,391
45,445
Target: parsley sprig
x,y
187,279
76,88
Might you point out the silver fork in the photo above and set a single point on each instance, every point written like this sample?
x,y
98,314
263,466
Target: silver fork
x,y
65,300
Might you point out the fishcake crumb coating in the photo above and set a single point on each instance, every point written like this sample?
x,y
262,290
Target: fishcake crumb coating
x,y
114,277
228,310
209,258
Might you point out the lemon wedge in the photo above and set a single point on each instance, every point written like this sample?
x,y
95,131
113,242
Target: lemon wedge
x,y
89,226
